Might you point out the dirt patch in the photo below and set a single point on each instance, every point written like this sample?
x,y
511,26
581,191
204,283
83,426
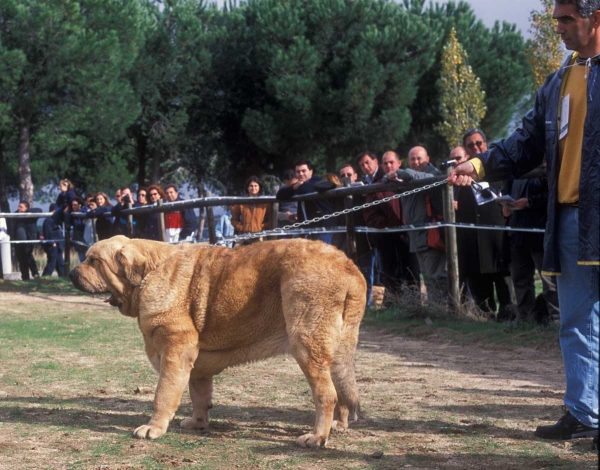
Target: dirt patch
x,y
425,404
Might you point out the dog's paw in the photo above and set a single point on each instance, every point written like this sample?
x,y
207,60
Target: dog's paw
x,y
338,426
148,432
194,423
311,441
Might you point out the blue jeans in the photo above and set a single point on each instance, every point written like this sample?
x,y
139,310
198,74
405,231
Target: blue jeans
x,y
324,237
578,288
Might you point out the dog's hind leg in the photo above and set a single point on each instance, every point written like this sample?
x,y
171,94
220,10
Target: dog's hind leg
x,y
344,380
316,369
343,369
201,394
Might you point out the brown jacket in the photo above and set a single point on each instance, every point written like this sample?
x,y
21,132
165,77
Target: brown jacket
x,y
247,218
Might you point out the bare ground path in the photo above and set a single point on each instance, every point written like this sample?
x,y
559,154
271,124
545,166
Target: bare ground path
x,y
426,403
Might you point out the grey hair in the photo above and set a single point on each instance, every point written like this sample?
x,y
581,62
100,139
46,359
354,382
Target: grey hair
x,y
585,8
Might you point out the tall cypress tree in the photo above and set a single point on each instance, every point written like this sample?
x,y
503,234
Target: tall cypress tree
x,y
544,49
462,102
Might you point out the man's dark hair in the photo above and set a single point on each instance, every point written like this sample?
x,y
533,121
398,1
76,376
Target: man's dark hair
x,y
171,186
364,154
124,188
26,204
304,162
288,175
585,8
470,132
347,165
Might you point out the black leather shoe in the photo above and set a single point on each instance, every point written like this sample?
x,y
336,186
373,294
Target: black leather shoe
x,y
567,427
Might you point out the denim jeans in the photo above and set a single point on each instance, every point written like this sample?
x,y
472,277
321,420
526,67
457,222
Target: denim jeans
x,y
578,287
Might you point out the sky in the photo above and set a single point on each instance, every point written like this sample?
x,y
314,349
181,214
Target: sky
x,y
513,11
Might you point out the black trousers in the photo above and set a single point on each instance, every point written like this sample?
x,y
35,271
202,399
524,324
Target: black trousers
x,y
26,261
55,261
482,290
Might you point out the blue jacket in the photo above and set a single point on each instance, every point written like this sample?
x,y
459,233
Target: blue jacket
x,y
315,208
537,138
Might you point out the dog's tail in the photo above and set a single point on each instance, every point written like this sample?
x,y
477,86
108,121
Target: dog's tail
x,y
342,367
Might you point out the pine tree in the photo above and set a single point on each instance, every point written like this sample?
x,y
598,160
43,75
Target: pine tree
x,y
545,52
462,102
321,80
63,63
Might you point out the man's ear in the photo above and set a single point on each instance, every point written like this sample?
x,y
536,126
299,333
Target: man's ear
x,y
134,263
595,19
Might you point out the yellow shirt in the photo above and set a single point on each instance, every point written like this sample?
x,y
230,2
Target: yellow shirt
x,y
569,147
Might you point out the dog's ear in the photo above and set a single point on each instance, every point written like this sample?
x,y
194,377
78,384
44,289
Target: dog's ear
x,y
134,263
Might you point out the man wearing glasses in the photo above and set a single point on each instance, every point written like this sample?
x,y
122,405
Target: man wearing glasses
x,y
474,142
347,171
486,267
459,154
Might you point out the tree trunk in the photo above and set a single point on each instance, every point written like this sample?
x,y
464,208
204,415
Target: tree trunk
x,y
330,162
4,205
155,167
142,149
25,183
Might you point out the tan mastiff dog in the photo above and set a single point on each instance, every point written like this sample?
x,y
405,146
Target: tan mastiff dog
x,y
202,309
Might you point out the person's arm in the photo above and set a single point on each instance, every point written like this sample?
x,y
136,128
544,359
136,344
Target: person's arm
x,y
285,193
409,175
190,223
537,193
515,156
374,217
266,223
308,186
236,212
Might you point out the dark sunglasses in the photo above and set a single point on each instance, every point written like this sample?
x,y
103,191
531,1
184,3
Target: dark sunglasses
x,y
153,194
346,175
141,194
472,145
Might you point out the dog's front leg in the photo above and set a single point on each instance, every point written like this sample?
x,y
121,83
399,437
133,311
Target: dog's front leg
x,y
175,366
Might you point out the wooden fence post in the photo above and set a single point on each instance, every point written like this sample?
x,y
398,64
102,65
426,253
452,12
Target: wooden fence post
x,y
67,251
161,223
451,250
350,232
130,221
274,222
212,227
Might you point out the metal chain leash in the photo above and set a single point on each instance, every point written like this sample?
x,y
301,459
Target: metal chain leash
x,y
249,236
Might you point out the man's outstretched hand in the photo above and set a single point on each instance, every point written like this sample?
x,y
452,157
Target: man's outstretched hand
x,y
463,175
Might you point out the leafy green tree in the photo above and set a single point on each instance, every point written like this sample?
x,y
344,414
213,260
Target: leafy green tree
x,y
65,60
462,102
321,80
497,56
168,78
544,49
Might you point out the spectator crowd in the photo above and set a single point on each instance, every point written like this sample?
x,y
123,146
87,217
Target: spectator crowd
x,y
497,269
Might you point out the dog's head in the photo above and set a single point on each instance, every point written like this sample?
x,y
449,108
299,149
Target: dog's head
x,y
117,266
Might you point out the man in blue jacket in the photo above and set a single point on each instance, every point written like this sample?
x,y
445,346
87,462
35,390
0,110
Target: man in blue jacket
x,y
308,210
564,127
